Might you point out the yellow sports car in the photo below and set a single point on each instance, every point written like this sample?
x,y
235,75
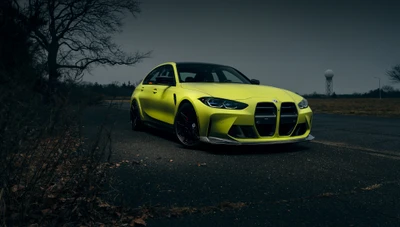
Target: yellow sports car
x,y
217,104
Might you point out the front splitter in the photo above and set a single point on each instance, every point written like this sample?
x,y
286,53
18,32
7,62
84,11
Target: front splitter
x,y
216,140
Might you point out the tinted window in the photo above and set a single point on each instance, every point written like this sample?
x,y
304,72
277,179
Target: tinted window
x,y
201,72
187,76
230,76
167,71
163,75
151,77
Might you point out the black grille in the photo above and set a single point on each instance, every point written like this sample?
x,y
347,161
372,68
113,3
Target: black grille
x,y
288,118
239,131
265,118
300,129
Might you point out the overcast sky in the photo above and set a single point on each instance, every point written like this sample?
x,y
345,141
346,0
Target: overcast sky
x,y
283,43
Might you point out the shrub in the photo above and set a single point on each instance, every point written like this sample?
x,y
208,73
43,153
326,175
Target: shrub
x,y
49,175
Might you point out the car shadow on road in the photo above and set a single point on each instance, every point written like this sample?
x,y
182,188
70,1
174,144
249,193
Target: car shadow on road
x,y
162,133
233,149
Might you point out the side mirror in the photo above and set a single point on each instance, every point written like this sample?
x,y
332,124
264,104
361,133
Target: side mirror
x,y
254,81
165,81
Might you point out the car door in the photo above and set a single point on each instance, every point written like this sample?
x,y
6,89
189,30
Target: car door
x,y
146,95
165,95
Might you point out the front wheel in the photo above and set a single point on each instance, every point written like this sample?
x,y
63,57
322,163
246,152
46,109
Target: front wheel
x,y
186,126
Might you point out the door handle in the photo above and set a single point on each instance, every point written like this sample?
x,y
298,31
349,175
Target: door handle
x,y
142,89
155,90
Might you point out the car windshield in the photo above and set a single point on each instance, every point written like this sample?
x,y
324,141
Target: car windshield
x,y
212,73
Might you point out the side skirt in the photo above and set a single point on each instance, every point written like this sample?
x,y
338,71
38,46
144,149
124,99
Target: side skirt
x,y
159,125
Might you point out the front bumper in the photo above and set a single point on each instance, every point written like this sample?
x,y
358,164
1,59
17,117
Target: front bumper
x,y
216,140
260,123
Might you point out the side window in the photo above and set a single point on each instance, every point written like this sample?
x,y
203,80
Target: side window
x,y
167,71
166,76
187,76
151,77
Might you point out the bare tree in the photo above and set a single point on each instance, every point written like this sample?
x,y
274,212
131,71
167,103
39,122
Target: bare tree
x,y
394,74
76,35
388,88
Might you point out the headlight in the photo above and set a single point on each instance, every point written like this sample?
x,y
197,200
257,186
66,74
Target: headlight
x,y
223,103
303,104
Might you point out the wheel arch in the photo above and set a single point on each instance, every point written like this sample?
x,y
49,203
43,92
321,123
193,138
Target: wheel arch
x,y
183,102
139,106
186,100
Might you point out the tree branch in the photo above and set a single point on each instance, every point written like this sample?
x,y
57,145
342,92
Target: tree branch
x,y
42,39
83,64
394,74
81,32
52,26
73,17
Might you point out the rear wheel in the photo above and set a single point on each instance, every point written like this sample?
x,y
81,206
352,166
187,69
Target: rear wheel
x,y
186,126
136,121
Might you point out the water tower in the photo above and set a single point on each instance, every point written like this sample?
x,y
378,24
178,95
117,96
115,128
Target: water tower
x,y
329,82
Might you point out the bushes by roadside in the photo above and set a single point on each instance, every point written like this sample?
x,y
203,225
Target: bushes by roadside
x,y
49,174
92,94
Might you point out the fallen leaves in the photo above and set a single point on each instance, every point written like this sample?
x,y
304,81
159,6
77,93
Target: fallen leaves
x,y
103,204
230,205
123,162
46,211
138,221
372,187
165,212
326,194
57,179
16,188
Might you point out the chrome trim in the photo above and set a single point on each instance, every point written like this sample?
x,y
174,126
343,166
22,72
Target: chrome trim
x,y
216,140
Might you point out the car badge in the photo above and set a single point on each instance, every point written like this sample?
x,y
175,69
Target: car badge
x,y
275,101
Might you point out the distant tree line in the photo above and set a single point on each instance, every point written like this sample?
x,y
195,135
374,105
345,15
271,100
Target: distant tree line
x,y
387,91
114,89
94,93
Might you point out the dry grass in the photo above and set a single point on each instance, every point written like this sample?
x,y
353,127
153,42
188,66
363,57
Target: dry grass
x,y
50,175
389,107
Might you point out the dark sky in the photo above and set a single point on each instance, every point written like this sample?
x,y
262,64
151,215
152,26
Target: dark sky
x,y
288,44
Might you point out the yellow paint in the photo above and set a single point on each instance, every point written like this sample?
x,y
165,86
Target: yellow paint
x,y
161,106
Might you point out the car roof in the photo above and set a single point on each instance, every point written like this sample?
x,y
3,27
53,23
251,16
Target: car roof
x,y
189,63
198,63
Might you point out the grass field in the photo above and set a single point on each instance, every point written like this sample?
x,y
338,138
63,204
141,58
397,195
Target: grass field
x,y
389,107
386,107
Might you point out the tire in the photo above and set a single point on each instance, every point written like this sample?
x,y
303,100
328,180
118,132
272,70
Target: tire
x,y
186,126
136,121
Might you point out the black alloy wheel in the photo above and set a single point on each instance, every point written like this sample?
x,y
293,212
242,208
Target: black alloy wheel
x,y
186,126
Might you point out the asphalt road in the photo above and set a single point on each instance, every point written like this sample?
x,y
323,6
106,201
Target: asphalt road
x,y
348,176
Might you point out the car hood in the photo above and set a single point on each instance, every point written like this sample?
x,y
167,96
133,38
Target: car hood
x,y
242,91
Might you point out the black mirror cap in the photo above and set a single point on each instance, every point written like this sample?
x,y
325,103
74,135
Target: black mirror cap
x,y
254,81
